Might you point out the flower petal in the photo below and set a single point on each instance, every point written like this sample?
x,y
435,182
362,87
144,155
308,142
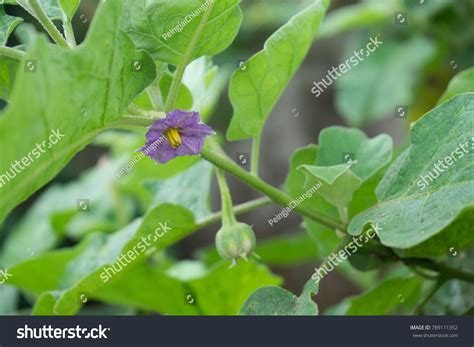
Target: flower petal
x,y
180,118
197,130
160,152
190,146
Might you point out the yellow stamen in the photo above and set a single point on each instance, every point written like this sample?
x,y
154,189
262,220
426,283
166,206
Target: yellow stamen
x,y
172,135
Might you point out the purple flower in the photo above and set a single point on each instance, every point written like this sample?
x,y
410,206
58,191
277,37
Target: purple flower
x,y
180,133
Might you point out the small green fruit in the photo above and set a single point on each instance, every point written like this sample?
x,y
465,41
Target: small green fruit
x,y
235,241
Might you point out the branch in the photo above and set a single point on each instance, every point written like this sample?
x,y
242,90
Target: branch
x,y
445,271
259,185
238,209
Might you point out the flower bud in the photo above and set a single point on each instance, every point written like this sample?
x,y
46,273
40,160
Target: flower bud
x,y
236,240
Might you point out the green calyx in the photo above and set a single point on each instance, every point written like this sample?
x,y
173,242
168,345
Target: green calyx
x,y
234,240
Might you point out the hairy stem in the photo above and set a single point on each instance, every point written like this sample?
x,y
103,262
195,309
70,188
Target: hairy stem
x,y
136,120
259,185
12,53
185,60
228,216
38,12
154,91
255,158
69,33
445,271
175,86
137,110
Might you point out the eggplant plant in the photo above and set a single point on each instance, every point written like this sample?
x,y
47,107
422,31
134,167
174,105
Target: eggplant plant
x,y
144,87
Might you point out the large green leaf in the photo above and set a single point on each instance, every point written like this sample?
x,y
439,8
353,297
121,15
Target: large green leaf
x,y
223,291
77,271
96,79
7,25
399,293
187,288
276,301
168,30
255,89
463,82
419,198
148,288
355,16
362,95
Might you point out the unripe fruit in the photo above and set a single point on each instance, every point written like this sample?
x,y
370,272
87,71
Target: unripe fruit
x,y
235,241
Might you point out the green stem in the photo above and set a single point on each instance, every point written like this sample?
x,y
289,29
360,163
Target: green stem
x,y
423,274
155,97
228,216
432,292
38,12
238,209
175,86
444,270
154,90
273,193
69,33
185,60
137,110
134,120
255,158
12,53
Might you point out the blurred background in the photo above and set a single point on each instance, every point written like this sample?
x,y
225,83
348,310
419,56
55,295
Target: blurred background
x,y
425,44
